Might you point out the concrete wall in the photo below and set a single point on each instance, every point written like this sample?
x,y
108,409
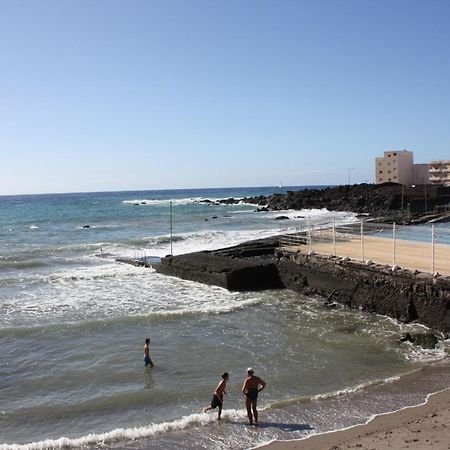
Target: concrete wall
x,y
403,295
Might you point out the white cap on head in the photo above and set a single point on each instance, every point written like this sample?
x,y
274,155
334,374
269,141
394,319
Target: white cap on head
x,y
250,370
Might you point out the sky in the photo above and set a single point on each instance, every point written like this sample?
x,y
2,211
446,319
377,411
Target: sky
x,y
100,95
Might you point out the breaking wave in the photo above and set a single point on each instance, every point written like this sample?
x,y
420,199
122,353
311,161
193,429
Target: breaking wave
x,y
126,434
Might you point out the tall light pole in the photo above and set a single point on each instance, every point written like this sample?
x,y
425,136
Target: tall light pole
x,y
348,174
171,230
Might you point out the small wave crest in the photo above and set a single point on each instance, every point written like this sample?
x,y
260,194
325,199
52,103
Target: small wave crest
x,y
165,202
101,322
337,393
21,265
126,434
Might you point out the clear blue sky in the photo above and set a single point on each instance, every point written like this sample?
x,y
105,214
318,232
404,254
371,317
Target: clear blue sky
x,y
117,95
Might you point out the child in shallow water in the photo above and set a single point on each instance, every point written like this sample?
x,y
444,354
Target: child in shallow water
x,y
147,360
217,399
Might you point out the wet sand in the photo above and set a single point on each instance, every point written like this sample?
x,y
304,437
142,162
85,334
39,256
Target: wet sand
x,y
426,426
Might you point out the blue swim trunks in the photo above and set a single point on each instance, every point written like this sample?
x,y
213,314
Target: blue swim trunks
x,y
148,361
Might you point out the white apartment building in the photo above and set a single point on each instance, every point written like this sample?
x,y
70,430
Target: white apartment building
x,y
398,166
395,166
439,172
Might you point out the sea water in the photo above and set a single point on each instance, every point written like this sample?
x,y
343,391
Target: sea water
x,y
73,322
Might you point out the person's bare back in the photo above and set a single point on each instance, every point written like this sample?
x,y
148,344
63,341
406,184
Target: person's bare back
x,y
220,389
252,386
253,382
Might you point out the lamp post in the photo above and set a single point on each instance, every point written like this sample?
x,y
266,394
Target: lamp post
x,y
348,174
171,230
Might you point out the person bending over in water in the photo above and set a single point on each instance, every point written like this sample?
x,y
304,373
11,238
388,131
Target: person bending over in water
x,y
147,360
217,398
252,386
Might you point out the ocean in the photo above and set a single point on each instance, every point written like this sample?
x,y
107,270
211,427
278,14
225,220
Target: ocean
x,y
73,322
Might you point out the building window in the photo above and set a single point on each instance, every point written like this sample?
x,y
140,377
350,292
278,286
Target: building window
x,y
395,154
380,171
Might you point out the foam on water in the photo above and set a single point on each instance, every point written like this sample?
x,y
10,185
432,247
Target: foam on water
x,y
165,202
126,434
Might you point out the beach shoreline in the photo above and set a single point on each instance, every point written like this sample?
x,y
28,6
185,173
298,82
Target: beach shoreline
x,y
413,427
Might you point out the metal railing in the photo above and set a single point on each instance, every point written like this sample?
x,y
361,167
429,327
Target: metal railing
x,y
424,247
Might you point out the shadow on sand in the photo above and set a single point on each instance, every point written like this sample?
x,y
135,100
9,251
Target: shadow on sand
x,y
288,427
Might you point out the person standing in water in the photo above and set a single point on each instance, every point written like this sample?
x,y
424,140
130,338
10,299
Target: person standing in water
x,y
252,386
217,399
147,360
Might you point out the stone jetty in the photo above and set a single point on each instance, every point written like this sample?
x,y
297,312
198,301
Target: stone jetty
x,y
402,294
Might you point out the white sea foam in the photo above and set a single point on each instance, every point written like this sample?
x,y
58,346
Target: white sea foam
x,y
119,289
166,202
127,434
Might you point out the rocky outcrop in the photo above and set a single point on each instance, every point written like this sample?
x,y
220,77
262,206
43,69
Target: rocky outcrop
x,y
400,203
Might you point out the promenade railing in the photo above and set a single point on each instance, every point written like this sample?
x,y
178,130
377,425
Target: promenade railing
x,y
424,248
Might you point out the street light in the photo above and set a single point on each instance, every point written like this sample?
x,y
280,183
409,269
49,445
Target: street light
x,y
348,174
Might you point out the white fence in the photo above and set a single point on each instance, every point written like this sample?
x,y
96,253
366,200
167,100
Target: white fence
x,y
424,247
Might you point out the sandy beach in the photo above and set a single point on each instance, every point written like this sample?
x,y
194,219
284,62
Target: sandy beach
x,y
414,428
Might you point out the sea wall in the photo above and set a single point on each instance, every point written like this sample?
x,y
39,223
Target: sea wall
x,y
224,271
401,294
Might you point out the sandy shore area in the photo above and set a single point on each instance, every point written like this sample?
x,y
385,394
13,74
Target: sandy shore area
x,y
414,428
409,254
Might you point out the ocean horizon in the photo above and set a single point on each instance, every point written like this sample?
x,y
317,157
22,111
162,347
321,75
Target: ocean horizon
x,y
73,323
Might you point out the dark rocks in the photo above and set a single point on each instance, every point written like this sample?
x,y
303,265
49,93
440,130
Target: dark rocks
x,y
281,218
403,204
424,340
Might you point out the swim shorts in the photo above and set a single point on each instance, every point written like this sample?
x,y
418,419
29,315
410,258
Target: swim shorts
x,y
252,394
148,361
216,401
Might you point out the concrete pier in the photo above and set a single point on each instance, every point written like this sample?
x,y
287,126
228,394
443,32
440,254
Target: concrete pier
x,y
402,294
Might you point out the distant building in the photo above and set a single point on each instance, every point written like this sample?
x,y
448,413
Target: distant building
x,y
439,172
398,166
421,173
